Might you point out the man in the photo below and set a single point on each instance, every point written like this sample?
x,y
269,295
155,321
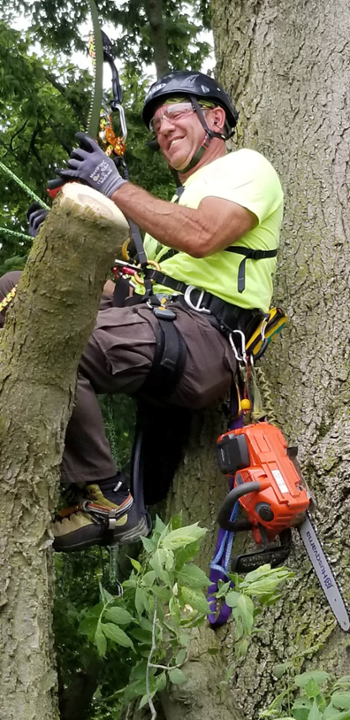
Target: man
x,y
209,285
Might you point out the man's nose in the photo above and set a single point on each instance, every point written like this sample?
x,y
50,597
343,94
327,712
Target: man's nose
x,y
166,125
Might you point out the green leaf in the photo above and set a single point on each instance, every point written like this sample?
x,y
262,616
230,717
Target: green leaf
x,y
177,677
148,544
135,564
314,713
163,593
281,668
146,624
105,595
118,615
115,633
312,688
192,576
144,699
143,636
301,708
100,641
140,598
157,562
169,560
160,526
241,647
184,639
139,671
185,554
246,608
180,657
149,578
183,536
331,713
213,650
319,676
232,598
88,626
161,682
175,522
174,611
341,700
196,600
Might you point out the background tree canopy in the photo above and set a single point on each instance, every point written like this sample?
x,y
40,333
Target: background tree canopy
x,y
45,97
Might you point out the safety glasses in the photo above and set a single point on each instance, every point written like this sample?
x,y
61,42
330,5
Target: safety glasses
x,y
172,113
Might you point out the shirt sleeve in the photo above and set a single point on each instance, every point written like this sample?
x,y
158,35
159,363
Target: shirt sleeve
x,y
250,181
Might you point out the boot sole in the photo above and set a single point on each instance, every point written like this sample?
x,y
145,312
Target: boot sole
x,y
108,538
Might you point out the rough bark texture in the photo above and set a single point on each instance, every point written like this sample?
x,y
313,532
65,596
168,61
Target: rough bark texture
x,y
46,331
287,66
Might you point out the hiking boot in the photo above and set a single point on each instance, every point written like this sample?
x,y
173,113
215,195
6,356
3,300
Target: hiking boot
x,y
105,514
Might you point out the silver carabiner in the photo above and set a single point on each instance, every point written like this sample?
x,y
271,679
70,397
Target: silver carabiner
x,y
241,358
122,121
197,307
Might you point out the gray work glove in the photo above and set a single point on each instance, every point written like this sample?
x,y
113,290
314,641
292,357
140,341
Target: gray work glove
x,y
89,163
36,215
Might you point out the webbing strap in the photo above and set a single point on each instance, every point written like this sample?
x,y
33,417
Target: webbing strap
x,y
219,566
169,361
249,254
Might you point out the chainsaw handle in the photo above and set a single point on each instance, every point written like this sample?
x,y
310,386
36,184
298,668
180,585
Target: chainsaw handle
x,y
54,186
229,503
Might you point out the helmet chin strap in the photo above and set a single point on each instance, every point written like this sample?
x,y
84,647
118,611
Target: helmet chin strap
x,y
209,134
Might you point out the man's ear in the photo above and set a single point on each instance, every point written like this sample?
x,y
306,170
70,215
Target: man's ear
x,y
216,119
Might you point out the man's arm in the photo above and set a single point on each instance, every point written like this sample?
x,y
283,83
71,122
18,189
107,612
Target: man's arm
x,y
213,226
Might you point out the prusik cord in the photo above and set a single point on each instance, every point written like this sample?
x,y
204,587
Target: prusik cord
x,y
23,186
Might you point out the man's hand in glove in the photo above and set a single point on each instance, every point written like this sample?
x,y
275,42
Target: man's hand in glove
x,y
36,215
89,163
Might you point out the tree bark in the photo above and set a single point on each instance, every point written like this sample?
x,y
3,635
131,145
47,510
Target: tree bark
x,y
154,10
46,330
287,66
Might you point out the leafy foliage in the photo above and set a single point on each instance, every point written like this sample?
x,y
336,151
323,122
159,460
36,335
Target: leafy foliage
x,y
142,635
320,696
45,99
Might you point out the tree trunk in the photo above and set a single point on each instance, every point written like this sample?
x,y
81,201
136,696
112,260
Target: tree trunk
x,y
46,331
154,10
287,66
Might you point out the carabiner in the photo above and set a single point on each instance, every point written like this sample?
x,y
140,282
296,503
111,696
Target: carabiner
x,y
139,279
122,121
241,358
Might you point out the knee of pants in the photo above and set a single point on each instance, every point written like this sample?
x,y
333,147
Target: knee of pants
x,y
8,281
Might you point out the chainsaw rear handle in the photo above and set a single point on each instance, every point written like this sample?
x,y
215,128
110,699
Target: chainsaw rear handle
x,y
54,186
227,506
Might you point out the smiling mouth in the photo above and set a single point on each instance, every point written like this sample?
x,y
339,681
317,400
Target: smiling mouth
x,y
174,142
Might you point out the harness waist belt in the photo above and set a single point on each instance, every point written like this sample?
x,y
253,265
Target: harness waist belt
x,y
229,317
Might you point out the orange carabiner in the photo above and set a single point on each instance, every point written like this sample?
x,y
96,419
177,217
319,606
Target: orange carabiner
x,y
139,279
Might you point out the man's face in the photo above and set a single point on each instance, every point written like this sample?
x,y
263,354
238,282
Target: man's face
x,y
179,134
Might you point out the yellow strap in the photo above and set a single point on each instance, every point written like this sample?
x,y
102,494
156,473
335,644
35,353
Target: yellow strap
x,y
271,324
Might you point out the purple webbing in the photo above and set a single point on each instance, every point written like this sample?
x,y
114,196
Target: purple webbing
x,y
219,566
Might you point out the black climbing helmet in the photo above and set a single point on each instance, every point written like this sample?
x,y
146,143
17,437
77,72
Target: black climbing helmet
x,y
193,84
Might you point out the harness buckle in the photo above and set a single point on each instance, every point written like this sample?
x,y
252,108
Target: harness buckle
x,y
197,307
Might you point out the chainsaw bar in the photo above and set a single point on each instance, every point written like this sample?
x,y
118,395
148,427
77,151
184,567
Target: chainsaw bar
x,y
323,571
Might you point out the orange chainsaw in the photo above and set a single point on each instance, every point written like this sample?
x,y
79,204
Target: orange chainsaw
x,y
269,486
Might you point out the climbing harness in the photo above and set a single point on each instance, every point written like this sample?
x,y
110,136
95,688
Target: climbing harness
x,y
266,481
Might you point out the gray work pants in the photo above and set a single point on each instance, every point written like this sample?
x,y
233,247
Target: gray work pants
x,y
117,359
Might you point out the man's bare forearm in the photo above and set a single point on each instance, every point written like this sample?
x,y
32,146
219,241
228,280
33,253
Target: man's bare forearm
x,y
173,225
